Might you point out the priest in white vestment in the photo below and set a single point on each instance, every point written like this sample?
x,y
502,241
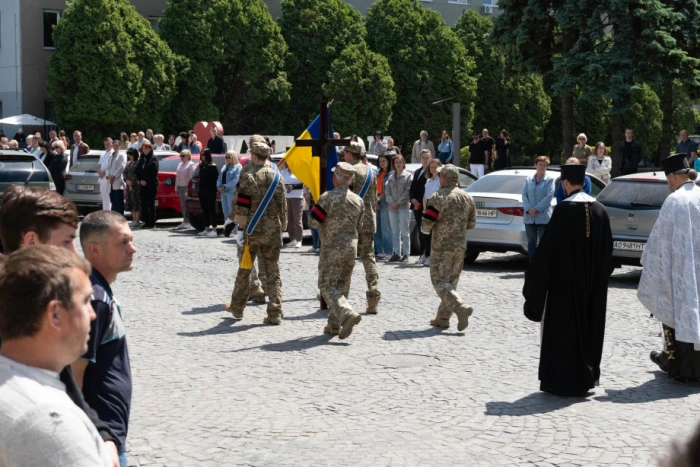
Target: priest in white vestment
x,y
670,283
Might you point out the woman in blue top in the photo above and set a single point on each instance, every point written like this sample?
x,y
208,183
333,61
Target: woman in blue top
x,y
538,192
445,148
228,179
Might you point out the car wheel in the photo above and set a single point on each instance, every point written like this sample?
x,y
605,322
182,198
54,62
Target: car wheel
x,y
197,222
471,256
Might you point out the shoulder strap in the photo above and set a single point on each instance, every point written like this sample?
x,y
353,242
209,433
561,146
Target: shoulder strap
x,y
264,203
368,182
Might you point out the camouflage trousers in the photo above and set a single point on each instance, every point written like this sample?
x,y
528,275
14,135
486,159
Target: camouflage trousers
x,y
257,275
365,250
334,276
268,249
445,269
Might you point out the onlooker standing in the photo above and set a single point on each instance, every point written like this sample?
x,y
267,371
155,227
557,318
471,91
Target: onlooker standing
x,y
53,136
115,177
78,149
124,138
502,156
420,145
60,149
39,424
171,142
420,177
62,137
315,235
159,144
538,191
445,148
560,194
294,194
377,146
382,237
431,187
476,156
133,187
208,177
193,145
13,144
185,170
398,191
140,139
183,142
581,150
105,187
147,173
104,371
149,136
20,138
488,145
631,152
36,149
134,141
216,142
600,164
390,149
228,179
687,146
56,162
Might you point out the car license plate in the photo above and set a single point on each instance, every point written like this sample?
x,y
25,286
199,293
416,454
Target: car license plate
x,y
486,213
85,187
629,246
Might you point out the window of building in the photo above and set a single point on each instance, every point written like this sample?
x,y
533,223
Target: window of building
x,y
51,19
461,2
154,20
493,3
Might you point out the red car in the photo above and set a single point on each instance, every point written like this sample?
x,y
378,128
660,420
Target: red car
x,y
167,201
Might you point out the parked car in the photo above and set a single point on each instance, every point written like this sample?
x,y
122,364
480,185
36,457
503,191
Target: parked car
x,y
633,203
466,178
160,155
82,186
500,225
167,200
23,168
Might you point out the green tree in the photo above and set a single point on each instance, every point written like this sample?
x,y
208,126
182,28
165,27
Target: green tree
x,y
644,116
428,64
360,82
110,72
236,56
519,103
317,32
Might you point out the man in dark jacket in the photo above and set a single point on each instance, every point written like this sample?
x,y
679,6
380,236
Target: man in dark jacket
x,y
31,216
417,191
216,143
631,152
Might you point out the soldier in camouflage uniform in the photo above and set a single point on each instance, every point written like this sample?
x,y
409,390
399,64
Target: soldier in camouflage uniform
x,y
365,242
266,239
448,216
338,216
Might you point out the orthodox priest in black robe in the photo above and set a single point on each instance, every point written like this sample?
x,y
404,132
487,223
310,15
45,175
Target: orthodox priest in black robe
x,y
566,289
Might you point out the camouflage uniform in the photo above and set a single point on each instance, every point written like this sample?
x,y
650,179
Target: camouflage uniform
x,y
265,240
365,242
449,214
338,216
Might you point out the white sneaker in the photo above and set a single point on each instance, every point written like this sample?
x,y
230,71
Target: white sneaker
x,y
180,227
311,250
298,245
318,250
203,233
187,226
426,262
420,260
212,233
292,244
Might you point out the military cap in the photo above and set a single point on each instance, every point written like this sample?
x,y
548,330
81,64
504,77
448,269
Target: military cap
x,y
255,139
354,147
261,149
676,164
449,172
344,170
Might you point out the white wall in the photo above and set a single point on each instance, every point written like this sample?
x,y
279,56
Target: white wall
x,y
10,61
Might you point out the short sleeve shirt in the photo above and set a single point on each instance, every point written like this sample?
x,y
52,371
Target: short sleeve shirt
x,y
687,147
487,144
477,153
107,381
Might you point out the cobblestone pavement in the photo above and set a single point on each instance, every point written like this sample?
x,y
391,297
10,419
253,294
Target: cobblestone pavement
x,y
210,390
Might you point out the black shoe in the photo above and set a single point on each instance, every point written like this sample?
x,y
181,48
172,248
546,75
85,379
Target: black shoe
x,y
394,259
655,357
229,228
403,259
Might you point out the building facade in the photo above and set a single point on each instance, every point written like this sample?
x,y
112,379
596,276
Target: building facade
x,y
26,44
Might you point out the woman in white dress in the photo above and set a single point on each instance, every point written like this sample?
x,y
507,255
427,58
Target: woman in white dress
x,y
600,163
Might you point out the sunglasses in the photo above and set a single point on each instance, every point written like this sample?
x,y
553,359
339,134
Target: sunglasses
x,y
182,156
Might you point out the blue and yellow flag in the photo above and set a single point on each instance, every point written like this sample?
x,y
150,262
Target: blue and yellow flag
x,y
305,167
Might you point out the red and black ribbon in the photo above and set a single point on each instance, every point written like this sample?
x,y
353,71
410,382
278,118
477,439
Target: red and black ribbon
x,y
318,213
244,200
431,213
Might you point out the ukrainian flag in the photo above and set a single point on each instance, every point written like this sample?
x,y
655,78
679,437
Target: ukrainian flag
x,y
305,167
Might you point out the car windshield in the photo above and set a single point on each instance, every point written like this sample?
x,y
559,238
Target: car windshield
x,y
86,164
510,184
634,194
21,169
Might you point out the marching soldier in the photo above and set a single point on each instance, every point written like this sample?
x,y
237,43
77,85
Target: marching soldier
x,y
365,186
338,215
448,216
261,213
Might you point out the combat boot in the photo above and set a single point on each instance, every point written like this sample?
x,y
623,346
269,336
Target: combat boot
x,y
349,323
463,314
236,314
272,320
443,323
329,330
372,304
257,295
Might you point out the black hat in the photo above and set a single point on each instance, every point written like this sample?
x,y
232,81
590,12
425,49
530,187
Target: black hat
x,y
574,173
676,163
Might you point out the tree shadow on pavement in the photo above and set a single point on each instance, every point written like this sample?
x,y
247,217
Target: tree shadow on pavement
x,y
318,314
297,345
204,309
224,327
660,388
536,403
417,334
627,280
500,263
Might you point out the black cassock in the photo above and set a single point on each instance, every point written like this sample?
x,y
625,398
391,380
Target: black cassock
x,y
569,276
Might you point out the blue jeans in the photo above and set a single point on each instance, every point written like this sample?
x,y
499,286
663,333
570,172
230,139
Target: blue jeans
x,y
443,156
122,459
384,220
534,234
117,199
226,201
399,227
315,238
